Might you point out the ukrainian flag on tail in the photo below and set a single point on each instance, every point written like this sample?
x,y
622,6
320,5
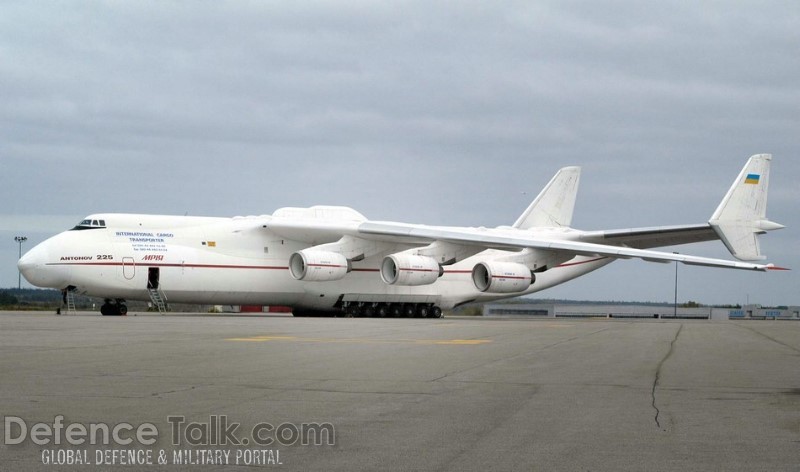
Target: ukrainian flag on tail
x,y
752,178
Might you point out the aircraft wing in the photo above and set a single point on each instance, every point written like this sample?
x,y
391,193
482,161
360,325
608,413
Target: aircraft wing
x,y
494,239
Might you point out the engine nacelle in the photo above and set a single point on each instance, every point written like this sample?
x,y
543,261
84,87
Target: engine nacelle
x,y
407,269
502,277
318,266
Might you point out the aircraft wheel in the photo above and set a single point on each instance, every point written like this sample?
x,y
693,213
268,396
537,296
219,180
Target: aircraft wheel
x,y
106,309
396,311
369,311
409,311
353,311
436,312
123,309
382,311
423,311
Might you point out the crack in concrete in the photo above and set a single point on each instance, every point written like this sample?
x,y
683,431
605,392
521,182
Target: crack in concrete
x,y
657,377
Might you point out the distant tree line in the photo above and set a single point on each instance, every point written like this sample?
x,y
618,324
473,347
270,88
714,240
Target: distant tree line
x,y
29,299
34,294
7,299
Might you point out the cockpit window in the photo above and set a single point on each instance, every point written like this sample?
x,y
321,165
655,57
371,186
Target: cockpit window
x,y
89,224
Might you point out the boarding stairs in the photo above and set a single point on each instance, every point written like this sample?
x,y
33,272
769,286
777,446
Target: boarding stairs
x,y
71,302
159,299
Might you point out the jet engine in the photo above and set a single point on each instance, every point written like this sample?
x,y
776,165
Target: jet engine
x,y
318,266
502,277
407,269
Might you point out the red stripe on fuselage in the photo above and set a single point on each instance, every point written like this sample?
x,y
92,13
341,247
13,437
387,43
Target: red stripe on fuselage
x,y
196,266
231,266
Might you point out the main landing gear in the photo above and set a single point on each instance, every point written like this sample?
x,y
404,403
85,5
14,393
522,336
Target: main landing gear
x,y
114,307
392,310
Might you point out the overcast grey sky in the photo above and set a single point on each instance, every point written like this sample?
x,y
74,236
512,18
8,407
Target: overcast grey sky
x,y
428,112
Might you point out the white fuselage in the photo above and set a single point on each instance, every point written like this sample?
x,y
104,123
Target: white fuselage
x,y
238,261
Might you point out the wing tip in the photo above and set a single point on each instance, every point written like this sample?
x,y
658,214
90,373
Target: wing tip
x,y
774,267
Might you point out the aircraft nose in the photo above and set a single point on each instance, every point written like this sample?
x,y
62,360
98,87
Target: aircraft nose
x,y
32,266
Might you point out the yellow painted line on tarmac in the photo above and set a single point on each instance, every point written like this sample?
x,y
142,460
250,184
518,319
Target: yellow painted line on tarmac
x,y
264,338
463,342
446,342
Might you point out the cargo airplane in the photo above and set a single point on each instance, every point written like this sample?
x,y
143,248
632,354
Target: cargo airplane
x,y
332,260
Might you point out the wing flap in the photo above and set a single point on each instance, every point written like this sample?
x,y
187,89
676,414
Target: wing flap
x,y
646,238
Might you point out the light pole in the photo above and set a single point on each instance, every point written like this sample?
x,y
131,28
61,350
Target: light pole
x,y
20,240
676,288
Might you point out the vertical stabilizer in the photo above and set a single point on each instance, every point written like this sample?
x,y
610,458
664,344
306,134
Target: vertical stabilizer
x,y
554,205
742,214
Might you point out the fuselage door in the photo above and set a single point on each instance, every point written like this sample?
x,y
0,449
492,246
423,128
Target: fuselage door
x,y
153,276
128,268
